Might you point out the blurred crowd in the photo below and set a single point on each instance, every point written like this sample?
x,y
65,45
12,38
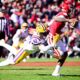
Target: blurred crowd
x,y
30,11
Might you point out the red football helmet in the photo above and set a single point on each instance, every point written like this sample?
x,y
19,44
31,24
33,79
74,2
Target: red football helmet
x,y
65,7
68,1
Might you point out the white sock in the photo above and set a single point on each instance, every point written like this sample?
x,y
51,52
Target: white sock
x,y
57,69
10,56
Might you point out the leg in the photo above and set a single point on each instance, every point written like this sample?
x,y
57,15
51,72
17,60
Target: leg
x,y
20,56
6,62
59,65
23,52
61,55
56,54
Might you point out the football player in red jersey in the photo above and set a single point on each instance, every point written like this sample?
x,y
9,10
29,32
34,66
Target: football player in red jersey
x,y
55,37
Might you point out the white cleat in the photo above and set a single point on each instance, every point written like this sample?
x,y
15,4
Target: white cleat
x,y
6,62
55,74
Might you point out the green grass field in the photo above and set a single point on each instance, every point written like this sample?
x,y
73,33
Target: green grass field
x,y
39,73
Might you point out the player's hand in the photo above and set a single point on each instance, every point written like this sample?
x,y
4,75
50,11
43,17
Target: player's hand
x,y
73,20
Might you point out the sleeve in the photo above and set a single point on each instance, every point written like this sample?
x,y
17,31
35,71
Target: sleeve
x,y
16,36
62,15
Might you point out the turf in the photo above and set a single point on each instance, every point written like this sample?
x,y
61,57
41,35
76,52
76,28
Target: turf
x,y
47,59
51,59
39,73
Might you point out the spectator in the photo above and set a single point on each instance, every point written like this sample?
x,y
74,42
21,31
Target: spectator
x,y
4,29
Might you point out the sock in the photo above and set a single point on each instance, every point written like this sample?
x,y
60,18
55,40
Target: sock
x,y
10,56
57,69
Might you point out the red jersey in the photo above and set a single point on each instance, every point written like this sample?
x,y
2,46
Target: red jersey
x,y
57,26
